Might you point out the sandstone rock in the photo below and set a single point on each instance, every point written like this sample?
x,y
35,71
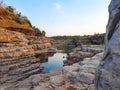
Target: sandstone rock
x,y
85,77
58,80
39,43
40,88
94,49
7,36
14,44
87,51
91,87
108,72
76,86
54,72
70,71
84,71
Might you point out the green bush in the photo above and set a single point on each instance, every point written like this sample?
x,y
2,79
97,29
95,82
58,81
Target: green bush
x,y
10,9
43,33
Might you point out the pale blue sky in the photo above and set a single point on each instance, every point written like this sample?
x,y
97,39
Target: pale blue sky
x,y
65,17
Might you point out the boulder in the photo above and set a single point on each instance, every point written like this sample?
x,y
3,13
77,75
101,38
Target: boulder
x,y
58,80
108,72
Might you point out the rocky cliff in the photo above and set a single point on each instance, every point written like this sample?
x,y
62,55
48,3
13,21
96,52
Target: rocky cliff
x,y
108,72
18,55
18,37
20,43
15,44
15,22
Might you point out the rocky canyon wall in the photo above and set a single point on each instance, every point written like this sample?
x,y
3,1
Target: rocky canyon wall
x,y
16,44
108,72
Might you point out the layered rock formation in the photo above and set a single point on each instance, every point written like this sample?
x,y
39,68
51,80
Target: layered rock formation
x,y
13,70
14,22
40,44
20,42
17,55
14,44
79,76
108,72
79,54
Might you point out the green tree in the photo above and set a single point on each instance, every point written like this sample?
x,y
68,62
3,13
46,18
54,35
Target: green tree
x,y
27,20
37,31
43,33
75,41
19,14
10,9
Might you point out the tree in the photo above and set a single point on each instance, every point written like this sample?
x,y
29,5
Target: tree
x,y
43,33
37,31
27,20
75,41
10,9
19,14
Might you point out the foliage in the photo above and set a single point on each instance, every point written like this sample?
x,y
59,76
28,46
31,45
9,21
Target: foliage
x,y
19,17
64,37
75,41
37,31
10,9
19,14
68,47
86,39
27,20
43,33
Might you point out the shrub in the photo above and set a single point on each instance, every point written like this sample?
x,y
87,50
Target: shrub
x,y
43,33
10,9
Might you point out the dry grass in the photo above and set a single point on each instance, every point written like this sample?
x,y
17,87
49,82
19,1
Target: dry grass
x,y
10,20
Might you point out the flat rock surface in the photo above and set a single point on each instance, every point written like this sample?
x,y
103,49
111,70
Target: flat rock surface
x,y
79,76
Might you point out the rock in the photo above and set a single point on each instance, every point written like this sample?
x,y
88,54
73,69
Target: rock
x,y
58,80
83,71
14,44
76,86
39,43
7,36
70,71
85,77
91,87
94,49
54,72
17,69
108,72
87,51
40,88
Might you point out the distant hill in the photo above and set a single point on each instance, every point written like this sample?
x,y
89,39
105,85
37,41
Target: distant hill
x,y
86,39
63,42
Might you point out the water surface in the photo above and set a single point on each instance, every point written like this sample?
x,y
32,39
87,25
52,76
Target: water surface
x,y
55,61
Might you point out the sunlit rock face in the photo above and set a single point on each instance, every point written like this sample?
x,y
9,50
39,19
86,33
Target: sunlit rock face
x,y
14,44
108,72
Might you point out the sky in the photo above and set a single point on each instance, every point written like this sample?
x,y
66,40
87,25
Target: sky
x,y
65,17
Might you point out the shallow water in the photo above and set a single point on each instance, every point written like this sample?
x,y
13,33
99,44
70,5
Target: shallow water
x,y
53,62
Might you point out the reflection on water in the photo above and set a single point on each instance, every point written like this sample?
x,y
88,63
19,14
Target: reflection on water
x,y
53,62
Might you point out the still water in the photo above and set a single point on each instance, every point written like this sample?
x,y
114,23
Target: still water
x,y
53,62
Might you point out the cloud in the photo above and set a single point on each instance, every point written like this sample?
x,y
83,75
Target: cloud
x,y
57,5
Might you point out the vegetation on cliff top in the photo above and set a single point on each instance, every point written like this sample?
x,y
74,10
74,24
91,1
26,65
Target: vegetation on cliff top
x,y
15,21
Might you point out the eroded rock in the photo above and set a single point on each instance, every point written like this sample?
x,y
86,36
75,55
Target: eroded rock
x,y
108,72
